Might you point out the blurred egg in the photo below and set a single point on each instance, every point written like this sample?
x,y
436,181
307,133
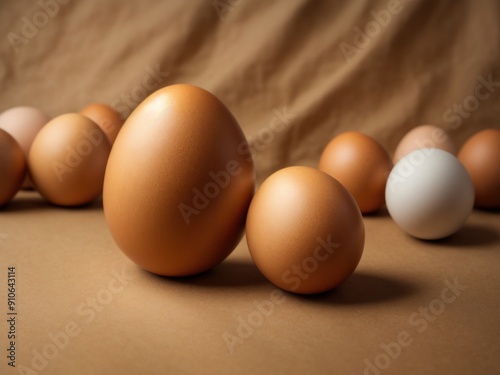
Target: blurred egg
x,y
361,164
109,120
23,123
68,159
424,136
429,194
304,230
12,167
481,157
178,182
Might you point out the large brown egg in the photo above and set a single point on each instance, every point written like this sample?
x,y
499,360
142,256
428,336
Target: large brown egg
x,y
304,230
178,182
480,155
12,167
361,164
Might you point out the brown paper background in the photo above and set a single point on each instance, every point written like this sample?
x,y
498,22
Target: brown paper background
x,y
259,58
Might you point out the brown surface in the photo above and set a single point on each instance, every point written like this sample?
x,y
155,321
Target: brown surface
x,y
262,59
176,326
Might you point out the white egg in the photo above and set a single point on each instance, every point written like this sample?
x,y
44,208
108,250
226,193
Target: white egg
x,y
429,194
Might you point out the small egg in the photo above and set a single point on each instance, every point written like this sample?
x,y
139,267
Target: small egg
x,y
481,157
304,230
109,120
12,167
361,164
424,136
67,160
429,194
23,123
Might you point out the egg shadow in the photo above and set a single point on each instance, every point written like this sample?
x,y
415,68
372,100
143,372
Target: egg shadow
x,y
365,288
229,274
33,201
382,212
96,204
470,235
492,211
30,200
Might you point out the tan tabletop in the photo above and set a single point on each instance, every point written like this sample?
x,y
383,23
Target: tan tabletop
x,y
412,307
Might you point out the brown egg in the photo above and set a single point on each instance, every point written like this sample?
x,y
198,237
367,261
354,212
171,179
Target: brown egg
x,y
178,182
67,160
23,123
109,120
304,230
481,157
12,167
424,136
361,164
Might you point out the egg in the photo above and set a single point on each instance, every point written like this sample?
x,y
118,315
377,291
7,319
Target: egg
x,y
481,157
424,136
23,123
361,164
178,183
304,230
67,160
429,194
109,120
12,167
